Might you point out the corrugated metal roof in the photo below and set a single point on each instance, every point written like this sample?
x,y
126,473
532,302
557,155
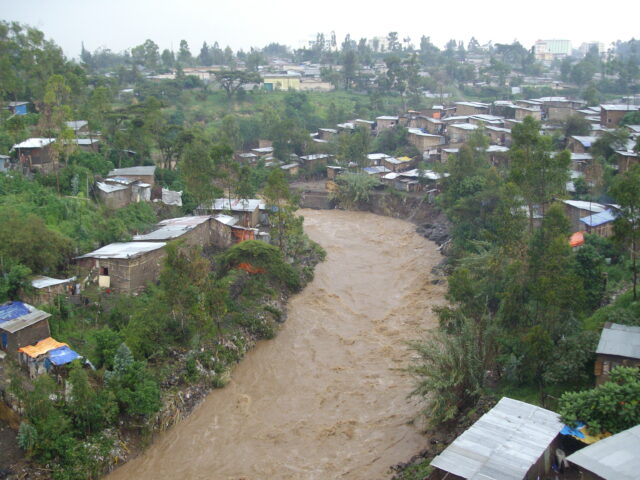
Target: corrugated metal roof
x,y
315,156
386,117
620,340
226,219
503,444
417,131
620,108
43,282
34,143
138,171
376,170
124,250
109,188
173,228
585,140
24,321
237,205
582,205
464,126
77,124
612,458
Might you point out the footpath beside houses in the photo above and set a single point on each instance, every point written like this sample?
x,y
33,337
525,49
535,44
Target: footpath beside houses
x,y
123,267
20,325
512,441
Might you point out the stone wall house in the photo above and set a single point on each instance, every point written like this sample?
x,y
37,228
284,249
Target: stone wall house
x,y
123,267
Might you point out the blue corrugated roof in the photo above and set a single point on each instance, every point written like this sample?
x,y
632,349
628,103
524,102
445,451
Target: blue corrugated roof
x,y
599,218
62,355
12,310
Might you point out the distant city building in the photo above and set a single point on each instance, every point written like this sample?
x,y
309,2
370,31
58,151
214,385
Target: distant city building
x,y
587,46
548,50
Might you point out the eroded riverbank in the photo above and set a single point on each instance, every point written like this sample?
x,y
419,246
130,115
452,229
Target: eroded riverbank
x,y
327,398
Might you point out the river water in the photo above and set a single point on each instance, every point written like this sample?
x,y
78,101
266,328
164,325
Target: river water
x,y
327,398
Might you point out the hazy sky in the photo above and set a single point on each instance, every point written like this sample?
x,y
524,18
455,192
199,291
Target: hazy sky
x,y
119,24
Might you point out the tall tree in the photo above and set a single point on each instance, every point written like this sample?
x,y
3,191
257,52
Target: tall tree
x,y
626,191
539,174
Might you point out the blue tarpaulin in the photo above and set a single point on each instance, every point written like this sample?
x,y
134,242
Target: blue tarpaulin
x,y
12,310
599,218
574,432
62,356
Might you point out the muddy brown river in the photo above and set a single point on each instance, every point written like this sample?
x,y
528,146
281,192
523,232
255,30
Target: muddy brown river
x,y
327,398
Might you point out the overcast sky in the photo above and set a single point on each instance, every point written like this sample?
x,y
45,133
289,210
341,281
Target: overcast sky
x,y
120,24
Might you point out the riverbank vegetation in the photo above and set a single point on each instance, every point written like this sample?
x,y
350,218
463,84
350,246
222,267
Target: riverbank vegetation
x,y
526,309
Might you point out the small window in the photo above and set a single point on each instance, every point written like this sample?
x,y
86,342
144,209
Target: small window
x,y
104,271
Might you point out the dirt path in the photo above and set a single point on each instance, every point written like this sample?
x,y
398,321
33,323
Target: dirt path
x,y
327,398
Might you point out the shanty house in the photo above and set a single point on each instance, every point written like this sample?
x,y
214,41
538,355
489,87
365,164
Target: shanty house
x,y
312,162
580,143
613,458
124,267
113,195
512,441
471,108
246,211
142,174
618,345
226,231
522,112
46,289
21,324
78,126
36,153
46,355
397,164
610,115
499,135
194,230
577,209
18,108
385,121
87,144
422,140
5,163
460,132
626,160
600,224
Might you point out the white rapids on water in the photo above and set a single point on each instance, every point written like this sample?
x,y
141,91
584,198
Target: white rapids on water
x,y
328,397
